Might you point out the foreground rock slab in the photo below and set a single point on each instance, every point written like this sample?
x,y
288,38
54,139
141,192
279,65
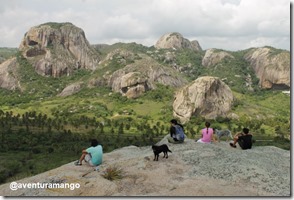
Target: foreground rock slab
x,y
191,170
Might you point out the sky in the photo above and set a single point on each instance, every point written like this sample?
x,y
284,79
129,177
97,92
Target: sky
x,y
224,24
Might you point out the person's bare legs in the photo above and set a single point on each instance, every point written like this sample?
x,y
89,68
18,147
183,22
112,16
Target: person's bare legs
x,y
235,140
82,157
79,162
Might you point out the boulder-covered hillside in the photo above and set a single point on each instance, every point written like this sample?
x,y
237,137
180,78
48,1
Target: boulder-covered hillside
x,y
192,169
61,51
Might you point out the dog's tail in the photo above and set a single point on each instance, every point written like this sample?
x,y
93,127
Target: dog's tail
x,y
169,150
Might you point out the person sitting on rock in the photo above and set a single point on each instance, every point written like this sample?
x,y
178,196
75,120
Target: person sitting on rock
x,y
92,155
244,139
177,134
207,134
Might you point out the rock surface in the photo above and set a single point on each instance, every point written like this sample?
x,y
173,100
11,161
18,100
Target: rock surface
x,y
176,41
271,67
71,89
192,169
135,79
206,96
8,75
213,56
57,49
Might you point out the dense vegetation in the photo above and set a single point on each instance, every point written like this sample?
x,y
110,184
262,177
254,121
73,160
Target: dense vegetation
x,y
55,25
6,53
42,131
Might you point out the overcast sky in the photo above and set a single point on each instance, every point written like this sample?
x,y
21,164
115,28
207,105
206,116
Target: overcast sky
x,y
224,24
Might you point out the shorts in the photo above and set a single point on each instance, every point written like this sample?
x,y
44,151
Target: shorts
x,y
243,145
88,159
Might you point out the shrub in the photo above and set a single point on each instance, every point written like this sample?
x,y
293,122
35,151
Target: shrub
x,y
113,173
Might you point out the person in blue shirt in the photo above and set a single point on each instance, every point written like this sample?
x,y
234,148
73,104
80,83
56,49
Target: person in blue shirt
x,y
91,155
174,135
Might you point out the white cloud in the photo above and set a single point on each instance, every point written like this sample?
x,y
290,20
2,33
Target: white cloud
x,y
124,26
226,24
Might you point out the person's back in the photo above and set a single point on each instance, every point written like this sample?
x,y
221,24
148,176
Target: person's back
x,y
96,154
92,155
206,134
245,141
180,135
177,134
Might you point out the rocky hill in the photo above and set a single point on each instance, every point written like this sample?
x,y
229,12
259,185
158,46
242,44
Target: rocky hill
x,y
213,57
177,41
143,75
57,49
55,59
8,75
271,67
192,169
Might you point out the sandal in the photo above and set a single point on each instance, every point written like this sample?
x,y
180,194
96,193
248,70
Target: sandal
x,y
232,145
77,163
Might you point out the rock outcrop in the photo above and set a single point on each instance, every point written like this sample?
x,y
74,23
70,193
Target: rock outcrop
x,y
71,89
120,55
57,49
192,169
8,75
136,78
177,41
206,96
272,67
214,56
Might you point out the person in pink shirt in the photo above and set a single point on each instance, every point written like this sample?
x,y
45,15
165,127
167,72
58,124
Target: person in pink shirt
x,y
207,134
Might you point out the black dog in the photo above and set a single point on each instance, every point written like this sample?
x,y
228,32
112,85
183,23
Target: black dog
x,y
158,149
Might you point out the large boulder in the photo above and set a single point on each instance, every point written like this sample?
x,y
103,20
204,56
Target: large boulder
x,y
206,96
176,41
272,67
142,75
71,89
214,56
57,49
8,75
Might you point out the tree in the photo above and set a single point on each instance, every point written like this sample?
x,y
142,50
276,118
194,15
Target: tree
x,y
112,130
278,132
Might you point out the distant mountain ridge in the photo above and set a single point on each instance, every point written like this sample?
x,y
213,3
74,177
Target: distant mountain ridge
x,y
61,49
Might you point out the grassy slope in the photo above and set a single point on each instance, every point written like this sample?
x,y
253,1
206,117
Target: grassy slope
x,y
267,104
